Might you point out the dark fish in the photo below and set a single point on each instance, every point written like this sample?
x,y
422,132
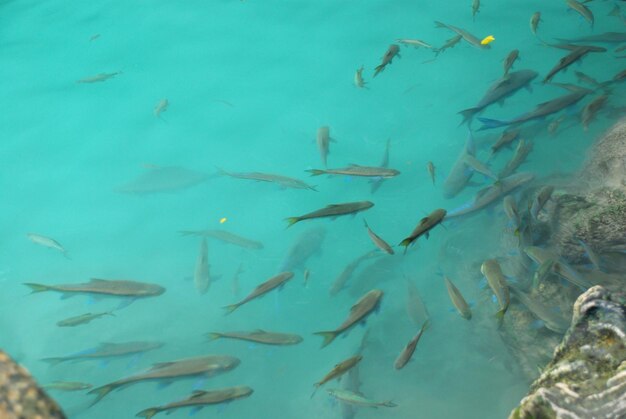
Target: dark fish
x,y
409,349
99,77
67,386
107,350
392,52
534,22
112,287
306,245
590,111
259,336
332,211
540,200
460,174
262,289
570,59
346,274
82,319
431,171
338,370
225,237
581,9
509,60
423,228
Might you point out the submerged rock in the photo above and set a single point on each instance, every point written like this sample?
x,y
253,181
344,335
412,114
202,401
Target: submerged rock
x,y
587,375
20,397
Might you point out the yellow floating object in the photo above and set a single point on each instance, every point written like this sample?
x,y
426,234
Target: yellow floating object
x,y
488,40
223,220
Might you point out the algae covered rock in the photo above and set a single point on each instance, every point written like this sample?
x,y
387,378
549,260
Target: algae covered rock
x,y
20,397
587,375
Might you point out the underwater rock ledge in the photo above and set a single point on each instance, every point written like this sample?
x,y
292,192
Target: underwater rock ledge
x,y
587,375
21,397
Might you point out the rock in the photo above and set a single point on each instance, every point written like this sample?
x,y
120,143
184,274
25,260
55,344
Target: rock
x,y
20,397
587,375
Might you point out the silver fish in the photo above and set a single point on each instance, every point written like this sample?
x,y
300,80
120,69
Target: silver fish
x,y
460,174
407,353
332,211
99,77
378,241
534,22
356,170
479,166
465,34
47,242
282,181
277,281
540,200
551,320
581,9
450,43
507,137
358,78
590,111
510,60
457,299
577,54
323,143
350,397
495,278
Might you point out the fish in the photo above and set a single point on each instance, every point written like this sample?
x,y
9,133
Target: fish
x,y
206,366
282,181
475,8
306,274
460,174
416,43
107,350
378,241
201,277
497,282
47,242
161,107
356,170
67,386
82,319
259,336
392,51
306,245
582,10
479,166
226,237
376,183
542,272
619,76
590,110
94,37
534,22
415,307
450,43
492,193
541,111
200,399
577,54
424,226
540,200
347,396
277,281
323,142
471,39
332,211
338,370
409,349
584,78
507,137
457,299
501,89
607,37
550,318
559,267
359,312
99,77
164,179
346,274
235,280
431,171
521,152
111,287
593,257
511,211
358,78
509,60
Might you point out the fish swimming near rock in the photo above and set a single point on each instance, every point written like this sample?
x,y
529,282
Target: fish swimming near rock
x,y
540,200
107,350
275,282
407,353
164,179
200,399
356,170
332,211
471,39
552,320
282,181
347,396
201,276
460,174
559,266
207,366
259,336
424,226
226,237
108,287
47,242
82,319
392,51
378,241
457,299
338,370
522,151
369,303
304,247
498,284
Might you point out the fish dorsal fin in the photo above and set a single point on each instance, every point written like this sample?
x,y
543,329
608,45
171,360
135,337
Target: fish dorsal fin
x,y
197,393
423,220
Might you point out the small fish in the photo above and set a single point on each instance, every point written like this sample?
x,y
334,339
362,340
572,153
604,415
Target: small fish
x,y
110,287
496,280
82,319
347,396
200,399
226,237
475,8
259,336
94,37
471,39
582,10
409,349
592,255
323,143
416,43
346,274
457,299
338,370
332,210
107,350
392,52
584,78
358,313
423,228
282,181
450,43
99,77
47,242
521,152
235,280
306,276
431,171
540,200
161,107
479,166
534,22
554,125
67,386
201,277
510,60
304,247
379,242
559,267
552,321
356,170
275,282
358,78
577,54
590,110
415,307
619,76
487,40
506,138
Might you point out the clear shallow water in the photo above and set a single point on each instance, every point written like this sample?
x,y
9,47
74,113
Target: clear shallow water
x,y
248,84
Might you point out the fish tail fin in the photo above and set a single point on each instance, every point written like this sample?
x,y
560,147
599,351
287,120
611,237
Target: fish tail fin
x,y
406,243
213,336
491,123
148,413
389,403
291,221
365,223
317,386
230,308
100,392
37,287
328,337
378,69
468,114
53,361
316,172
500,314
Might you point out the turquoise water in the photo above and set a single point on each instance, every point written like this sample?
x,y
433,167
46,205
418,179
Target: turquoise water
x,y
248,85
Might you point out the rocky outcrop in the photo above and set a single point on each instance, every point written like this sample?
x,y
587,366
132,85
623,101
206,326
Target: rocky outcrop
x,y
20,397
587,375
